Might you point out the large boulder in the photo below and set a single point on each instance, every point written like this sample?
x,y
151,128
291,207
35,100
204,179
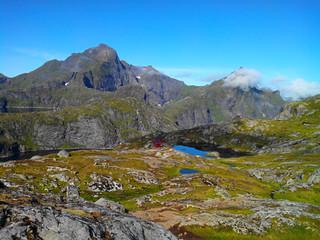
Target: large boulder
x,y
63,153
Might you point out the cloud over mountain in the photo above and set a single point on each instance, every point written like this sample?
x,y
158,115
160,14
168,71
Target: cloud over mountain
x,y
300,89
242,78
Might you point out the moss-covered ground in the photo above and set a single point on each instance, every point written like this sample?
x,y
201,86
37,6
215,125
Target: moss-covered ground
x,y
134,167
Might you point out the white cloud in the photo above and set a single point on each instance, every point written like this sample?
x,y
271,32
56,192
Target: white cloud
x,y
243,78
278,80
300,89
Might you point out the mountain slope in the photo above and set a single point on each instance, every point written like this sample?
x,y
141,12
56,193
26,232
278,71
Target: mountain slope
x,y
216,103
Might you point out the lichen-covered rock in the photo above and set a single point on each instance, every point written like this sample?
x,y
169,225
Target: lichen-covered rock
x,y
222,192
314,177
268,174
102,183
110,204
63,177
144,177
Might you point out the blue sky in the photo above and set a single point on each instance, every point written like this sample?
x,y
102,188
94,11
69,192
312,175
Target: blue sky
x,y
195,41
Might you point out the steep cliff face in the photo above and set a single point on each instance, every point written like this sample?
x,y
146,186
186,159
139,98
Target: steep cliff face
x,y
101,125
216,103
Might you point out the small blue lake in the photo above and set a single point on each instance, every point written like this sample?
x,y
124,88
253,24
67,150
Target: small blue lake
x,y
192,151
230,165
187,171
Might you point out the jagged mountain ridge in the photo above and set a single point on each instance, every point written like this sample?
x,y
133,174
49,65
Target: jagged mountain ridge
x,y
97,68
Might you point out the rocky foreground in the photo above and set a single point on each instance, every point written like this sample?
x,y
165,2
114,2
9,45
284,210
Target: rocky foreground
x,y
25,215
64,196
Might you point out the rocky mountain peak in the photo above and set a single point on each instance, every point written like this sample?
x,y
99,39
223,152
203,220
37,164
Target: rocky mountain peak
x,y
102,52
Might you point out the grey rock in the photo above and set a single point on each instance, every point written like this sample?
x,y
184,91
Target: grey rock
x,y
102,183
54,184
110,204
46,222
36,157
21,176
55,168
315,177
222,192
72,190
290,182
63,153
315,149
269,174
144,177
63,177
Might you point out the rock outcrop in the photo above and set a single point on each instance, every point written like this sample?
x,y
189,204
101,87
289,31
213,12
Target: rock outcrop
x,y
110,204
49,217
63,153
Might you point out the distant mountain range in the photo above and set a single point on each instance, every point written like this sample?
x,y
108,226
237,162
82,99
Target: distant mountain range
x,y
98,74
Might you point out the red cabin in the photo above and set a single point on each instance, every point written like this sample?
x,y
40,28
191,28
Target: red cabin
x,y
157,142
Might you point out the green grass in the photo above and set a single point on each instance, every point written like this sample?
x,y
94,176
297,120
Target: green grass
x,y
282,232
302,195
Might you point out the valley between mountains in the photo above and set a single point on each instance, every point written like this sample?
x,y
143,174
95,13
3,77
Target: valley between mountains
x,y
264,185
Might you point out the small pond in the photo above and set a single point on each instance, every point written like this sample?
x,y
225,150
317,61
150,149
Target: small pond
x,y
187,171
230,165
193,151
